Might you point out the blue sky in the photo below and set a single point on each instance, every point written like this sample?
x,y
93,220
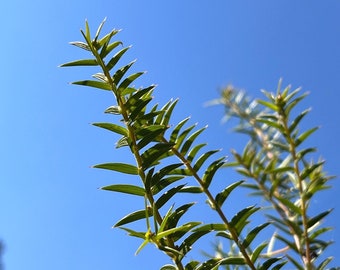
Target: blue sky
x,y
52,214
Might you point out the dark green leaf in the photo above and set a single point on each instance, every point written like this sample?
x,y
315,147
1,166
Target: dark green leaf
x,y
173,136
112,127
191,265
190,141
150,134
211,170
139,109
82,62
152,156
253,233
167,196
182,136
257,251
95,84
241,218
118,167
192,153
222,196
109,48
121,72
140,214
114,60
292,207
312,221
203,158
134,233
232,261
269,263
129,80
168,112
129,189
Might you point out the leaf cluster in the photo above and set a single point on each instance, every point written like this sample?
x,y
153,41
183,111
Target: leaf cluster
x,y
166,157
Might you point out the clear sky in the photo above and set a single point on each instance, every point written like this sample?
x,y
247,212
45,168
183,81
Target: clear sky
x,y
52,214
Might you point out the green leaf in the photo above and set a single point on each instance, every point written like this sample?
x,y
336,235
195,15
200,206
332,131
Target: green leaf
x,y
168,112
312,221
211,227
269,263
203,158
121,72
211,170
123,141
268,105
191,265
324,263
81,45
168,267
270,123
139,109
175,216
82,62
134,233
209,264
304,136
233,261
253,233
107,48
184,228
167,195
292,207
137,215
150,134
176,130
112,127
113,110
296,264
192,153
152,156
95,84
257,251
124,84
118,167
114,60
129,189
297,120
241,218
190,141
222,196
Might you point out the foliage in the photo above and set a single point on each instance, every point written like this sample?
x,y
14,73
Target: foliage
x,y
167,158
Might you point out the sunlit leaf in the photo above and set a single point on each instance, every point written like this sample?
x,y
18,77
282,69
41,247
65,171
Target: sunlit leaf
x,y
82,62
304,136
167,195
129,189
118,167
137,215
113,127
95,84
253,233
114,60
222,196
312,221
